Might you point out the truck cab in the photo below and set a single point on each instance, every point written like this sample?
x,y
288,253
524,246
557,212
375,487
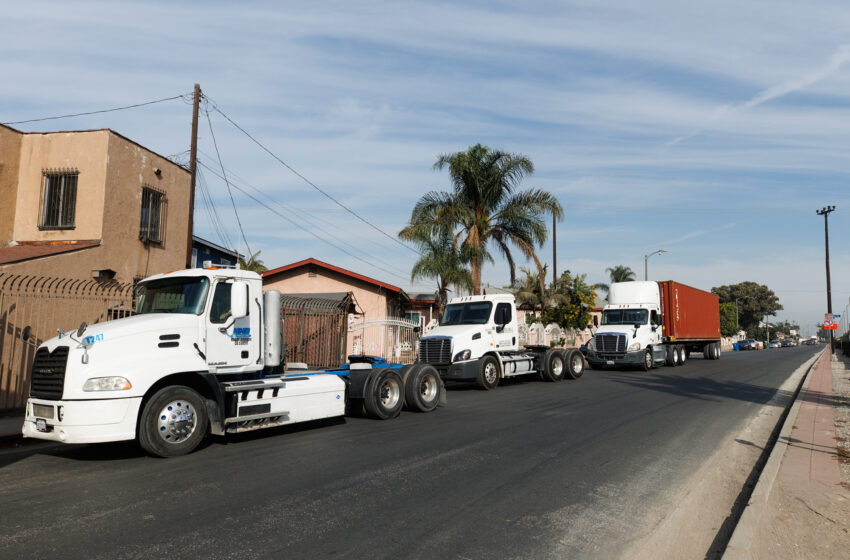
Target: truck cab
x,y
630,332
478,340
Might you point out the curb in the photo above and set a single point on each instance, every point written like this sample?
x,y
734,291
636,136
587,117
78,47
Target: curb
x,y
739,544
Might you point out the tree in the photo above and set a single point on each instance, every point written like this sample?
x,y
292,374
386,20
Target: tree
x,y
527,290
619,273
754,301
441,260
253,264
573,299
483,209
728,320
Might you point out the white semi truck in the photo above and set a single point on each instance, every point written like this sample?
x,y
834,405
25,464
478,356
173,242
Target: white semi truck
x,y
646,324
202,354
478,340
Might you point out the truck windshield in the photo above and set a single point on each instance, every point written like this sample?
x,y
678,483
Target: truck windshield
x,y
624,316
473,313
173,295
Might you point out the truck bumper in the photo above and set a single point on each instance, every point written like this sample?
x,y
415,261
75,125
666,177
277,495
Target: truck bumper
x,y
94,421
629,359
460,371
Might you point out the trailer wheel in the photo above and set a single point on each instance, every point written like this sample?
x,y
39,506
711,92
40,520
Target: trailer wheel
x,y
554,365
677,356
422,388
488,373
575,364
384,394
173,422
647,360
716,351
683,355
707,351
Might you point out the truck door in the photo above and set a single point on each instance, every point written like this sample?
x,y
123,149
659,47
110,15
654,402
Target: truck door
x,y
230,342
655,336
504,316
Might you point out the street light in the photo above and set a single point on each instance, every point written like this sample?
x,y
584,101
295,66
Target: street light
x,y
646,262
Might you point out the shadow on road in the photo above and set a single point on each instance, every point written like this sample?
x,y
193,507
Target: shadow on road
x,y
704,388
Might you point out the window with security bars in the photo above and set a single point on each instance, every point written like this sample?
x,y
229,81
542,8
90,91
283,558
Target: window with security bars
x,y
152,223
58,199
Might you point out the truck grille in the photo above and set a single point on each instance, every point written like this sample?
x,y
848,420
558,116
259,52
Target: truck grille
x,y
435,350
48,373
611,344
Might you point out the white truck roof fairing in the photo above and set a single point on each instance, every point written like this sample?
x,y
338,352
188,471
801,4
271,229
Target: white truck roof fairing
x,y
500,298
207,272
624,294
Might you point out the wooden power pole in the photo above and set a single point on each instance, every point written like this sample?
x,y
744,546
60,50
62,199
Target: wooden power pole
x,y
193,168
825,213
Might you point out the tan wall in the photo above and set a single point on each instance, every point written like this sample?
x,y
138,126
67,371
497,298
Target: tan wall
x,y
10,158
84,151
130,168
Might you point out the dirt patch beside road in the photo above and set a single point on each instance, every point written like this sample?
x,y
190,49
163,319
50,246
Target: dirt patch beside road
x,y
697,517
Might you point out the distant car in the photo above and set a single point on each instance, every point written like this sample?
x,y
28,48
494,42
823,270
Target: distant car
x,y
776,344
787,343
747,344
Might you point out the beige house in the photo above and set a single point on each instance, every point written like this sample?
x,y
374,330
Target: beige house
x,y
89,204
371,304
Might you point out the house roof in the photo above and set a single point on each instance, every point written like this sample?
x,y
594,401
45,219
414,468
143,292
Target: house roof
x,y
25,252
326,266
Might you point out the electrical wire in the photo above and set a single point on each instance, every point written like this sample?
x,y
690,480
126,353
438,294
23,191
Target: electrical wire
x,y
215,220
224,176
96,112
303,178
294,215
306,229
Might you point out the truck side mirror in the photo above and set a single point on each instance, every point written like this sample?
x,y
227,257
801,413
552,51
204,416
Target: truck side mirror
x,y
239,299
27,332
595,321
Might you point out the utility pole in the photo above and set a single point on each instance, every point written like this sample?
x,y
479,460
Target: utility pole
x,y
193,168
554,252
825,213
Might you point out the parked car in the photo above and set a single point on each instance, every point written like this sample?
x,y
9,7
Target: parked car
x,y
747,344
787,343
775,344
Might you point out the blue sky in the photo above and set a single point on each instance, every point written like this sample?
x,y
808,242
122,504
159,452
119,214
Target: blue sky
x,y
713,131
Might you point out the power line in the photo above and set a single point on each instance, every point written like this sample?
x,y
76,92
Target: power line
x,y
224,176
96,112
314,225
215,220
306,229
303,178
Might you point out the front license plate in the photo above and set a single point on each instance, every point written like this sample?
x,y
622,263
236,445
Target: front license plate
x,y
41,424
610,362
42,411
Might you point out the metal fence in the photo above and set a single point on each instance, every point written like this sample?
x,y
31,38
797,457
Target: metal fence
x,y
45,304
396,339
314,329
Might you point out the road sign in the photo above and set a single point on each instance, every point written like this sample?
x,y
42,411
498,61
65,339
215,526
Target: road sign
x,y
832,327
835,316
827,317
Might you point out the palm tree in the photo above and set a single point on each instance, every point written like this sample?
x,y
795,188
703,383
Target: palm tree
x,y
618,273
483,208
253,264
442,260
527,290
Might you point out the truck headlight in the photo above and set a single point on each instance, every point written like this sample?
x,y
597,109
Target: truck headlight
x,y
462,355
106,384
634,347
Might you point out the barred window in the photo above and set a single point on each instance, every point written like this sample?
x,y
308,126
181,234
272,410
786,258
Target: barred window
x,y
152,223
58,199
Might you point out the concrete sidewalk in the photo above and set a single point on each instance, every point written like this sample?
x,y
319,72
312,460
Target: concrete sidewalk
x,y
800,507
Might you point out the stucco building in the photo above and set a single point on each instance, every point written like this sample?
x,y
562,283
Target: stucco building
x,y
90,204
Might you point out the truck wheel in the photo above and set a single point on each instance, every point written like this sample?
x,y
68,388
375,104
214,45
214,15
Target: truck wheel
x,y
669,358
647,360
683,355
384,394
716,351
677,356
422,388
488,373
575,364
707,351
554,366
173,422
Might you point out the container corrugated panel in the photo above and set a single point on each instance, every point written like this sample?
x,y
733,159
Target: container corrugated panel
x,y
689,313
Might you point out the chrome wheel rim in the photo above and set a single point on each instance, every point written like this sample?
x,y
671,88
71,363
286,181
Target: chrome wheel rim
x,y
428,388
177,421
578,364
557,367
490,374
647,359
390,393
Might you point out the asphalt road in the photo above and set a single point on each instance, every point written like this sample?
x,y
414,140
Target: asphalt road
x,y
530,470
